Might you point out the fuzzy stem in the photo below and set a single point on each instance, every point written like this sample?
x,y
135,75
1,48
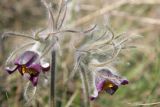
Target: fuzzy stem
x,y
2,55
85,87
53,71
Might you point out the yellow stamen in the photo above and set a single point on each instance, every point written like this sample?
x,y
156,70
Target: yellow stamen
x,y
107,85
27,70
24,70
31,71
110,85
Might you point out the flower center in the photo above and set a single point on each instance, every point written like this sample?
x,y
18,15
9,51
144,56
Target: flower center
x,y
26,70
110,85
107,85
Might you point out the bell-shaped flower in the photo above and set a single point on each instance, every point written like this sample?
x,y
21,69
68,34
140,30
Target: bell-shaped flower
x,y
29,65
107,80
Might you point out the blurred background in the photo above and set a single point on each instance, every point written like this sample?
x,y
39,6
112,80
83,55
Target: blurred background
x,y
141,65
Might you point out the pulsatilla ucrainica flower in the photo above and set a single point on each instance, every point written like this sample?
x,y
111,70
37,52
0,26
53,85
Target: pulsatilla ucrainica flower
x,y
107,80
29,63
95,59
29,66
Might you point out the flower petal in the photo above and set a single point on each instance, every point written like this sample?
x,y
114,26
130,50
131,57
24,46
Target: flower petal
x,y
35,69
94,95
108,81
124,82
99,85
45,66
107,74
112,90
34,80
11,70
27,58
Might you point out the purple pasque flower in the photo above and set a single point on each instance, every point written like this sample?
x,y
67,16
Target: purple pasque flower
x,y
29,65
107,80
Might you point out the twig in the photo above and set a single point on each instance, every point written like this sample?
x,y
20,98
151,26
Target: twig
x,y
136,18
71,99
144,2
106,8
7,99
99,12
143,104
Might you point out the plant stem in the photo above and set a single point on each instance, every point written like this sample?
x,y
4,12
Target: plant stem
x,y
53,71
2,55
85,87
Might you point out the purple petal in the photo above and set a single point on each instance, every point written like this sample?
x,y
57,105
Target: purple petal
x,y
34,80
36,67
27,58
112,90
99,85
20,69
45,67
105,78
11,70
124,82
92,98
107,74
94,95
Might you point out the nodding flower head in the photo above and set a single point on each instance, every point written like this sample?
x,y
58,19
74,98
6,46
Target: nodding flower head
x,y
29,65
108,81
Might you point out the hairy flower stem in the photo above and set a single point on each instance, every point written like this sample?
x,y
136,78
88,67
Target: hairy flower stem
x,y
1,50
85,87
53,71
